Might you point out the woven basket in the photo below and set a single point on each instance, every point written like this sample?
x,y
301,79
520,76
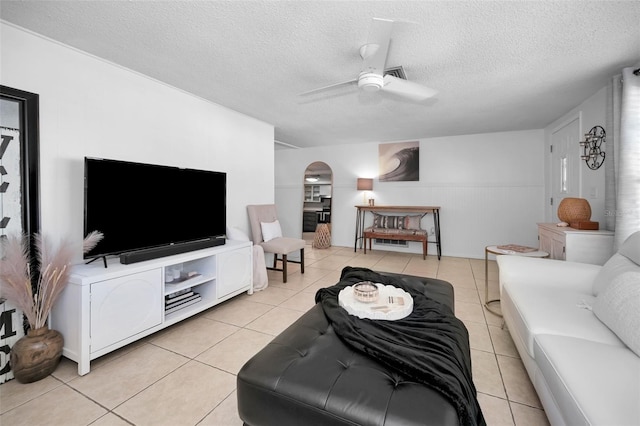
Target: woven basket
x,y
322,239
574,210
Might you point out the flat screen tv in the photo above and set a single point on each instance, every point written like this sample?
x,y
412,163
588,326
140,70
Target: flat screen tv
x,y
141,206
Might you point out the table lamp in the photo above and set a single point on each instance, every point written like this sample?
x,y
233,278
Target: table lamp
x,y
364,184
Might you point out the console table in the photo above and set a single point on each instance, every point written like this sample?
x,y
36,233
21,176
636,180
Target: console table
x,y
422,210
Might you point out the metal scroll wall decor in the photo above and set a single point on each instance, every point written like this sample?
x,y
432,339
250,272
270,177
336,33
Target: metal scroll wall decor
x,y
593,154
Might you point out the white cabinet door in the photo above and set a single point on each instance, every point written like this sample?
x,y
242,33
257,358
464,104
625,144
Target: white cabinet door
x,y
546,241
559,248
552,242
124,306
234,271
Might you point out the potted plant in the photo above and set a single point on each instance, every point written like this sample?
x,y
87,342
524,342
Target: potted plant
x,y
34,290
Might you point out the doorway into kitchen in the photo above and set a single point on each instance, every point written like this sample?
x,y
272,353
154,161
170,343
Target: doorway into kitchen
x,y
318,188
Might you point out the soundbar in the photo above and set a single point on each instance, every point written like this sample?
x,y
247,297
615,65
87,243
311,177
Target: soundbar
x,y
156,252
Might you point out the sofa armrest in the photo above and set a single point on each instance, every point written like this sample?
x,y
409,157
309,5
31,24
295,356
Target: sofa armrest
x,y
520,270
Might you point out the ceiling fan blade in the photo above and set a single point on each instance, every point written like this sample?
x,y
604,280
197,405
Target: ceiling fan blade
x,y
374,53
331,86
407,89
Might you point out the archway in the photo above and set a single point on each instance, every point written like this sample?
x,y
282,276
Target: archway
x,y
318,191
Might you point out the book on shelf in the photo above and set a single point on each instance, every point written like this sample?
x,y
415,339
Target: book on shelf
x,y
178,293
517,248
169,304
179,306
173,299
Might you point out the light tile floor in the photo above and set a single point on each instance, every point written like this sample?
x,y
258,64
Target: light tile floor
x,y
186,374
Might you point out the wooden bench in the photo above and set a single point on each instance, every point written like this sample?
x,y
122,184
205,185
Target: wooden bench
x,y
385,220
396,234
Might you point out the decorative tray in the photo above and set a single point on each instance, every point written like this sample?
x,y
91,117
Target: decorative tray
x,y
393,303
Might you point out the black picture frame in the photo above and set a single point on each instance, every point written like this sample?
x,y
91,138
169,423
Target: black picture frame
x,y
29,105
29,163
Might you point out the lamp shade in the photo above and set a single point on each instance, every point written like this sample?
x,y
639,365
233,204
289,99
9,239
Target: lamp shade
x,y
365,184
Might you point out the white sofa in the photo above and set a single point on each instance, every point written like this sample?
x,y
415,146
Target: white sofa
x,y
577,329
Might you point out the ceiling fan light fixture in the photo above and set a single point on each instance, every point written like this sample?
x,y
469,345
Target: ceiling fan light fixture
x,y
370,82
375,77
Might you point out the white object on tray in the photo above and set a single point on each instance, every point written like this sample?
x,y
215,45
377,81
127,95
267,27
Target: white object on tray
x,y
393,303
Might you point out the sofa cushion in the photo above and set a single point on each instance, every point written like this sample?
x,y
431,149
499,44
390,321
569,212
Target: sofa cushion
x,y
631,248
626,259
538,272
616,265
618,307
586,389
553,310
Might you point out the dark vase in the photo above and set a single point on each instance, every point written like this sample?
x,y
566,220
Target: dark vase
x,y
36,355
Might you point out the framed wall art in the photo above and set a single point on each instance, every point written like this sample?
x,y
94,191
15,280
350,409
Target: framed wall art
x,y
399,161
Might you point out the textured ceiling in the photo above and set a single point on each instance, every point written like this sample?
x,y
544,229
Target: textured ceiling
x,y
497,66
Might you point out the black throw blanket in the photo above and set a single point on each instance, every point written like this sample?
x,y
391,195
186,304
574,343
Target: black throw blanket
x,y
430,345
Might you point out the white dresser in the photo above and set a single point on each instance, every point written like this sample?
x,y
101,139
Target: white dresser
x,y
575,245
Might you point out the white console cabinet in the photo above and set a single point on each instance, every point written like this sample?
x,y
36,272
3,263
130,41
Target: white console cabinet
x,y
103,309
575,245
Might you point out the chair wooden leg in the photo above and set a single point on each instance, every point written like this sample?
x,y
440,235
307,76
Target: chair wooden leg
x,y
424,249
302,261
284,268
275,260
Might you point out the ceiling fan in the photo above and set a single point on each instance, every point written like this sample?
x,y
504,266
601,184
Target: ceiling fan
x,y
372,77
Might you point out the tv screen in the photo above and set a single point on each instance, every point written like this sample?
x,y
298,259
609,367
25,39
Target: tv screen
x,y
138,206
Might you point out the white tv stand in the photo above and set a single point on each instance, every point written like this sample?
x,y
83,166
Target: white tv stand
x,y
103,309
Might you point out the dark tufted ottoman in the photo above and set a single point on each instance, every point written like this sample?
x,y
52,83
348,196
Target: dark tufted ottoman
x,y
308,376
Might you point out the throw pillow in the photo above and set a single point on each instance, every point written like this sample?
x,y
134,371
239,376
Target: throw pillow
x,y
631,247
270,230
236,234
615,266
396,222
617,308
412,222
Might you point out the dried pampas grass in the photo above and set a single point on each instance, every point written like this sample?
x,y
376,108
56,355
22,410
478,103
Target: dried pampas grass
x,y
52,271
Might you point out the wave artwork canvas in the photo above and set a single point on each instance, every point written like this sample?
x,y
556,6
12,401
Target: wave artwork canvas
x,y
399,161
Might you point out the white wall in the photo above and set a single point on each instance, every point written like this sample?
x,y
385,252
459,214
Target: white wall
x,y
591,112
89,107
490,188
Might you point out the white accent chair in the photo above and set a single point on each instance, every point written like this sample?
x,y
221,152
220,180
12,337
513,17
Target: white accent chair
x,y
260,214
